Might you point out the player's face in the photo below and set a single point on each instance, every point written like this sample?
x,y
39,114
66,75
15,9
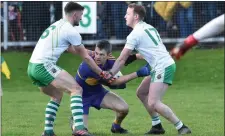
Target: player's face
x,y
100,56
129,17
77,17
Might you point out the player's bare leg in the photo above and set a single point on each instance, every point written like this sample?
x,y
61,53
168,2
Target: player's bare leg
x,y
85,121
55,94
212,28
65,81
117,104
142,94
156,92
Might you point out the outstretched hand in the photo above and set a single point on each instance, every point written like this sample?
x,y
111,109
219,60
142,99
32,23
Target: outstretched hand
x,y
107,77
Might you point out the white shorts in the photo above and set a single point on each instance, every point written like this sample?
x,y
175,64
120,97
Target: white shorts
x,y
165,75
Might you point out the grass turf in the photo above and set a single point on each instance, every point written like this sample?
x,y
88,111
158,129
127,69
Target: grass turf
x,y
197,97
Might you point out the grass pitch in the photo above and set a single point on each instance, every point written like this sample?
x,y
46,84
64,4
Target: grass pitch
x,y
197,97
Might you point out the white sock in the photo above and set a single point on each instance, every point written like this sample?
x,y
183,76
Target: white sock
x,y
155,120
178,125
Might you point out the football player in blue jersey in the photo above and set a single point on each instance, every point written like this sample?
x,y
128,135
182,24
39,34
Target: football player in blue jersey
x,y
95,95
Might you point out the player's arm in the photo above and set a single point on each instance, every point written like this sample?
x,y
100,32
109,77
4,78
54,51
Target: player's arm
x,y
133,40
119,63
120,83
90,52
139,57
73,51
132,58
124,79
143,71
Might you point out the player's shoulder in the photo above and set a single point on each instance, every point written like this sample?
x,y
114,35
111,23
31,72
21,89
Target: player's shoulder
x,y
132,34
111,57
72,31
84,67
138,29
142,26
66,26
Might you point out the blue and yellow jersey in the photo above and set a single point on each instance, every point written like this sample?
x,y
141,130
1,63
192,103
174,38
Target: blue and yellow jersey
x,y
88,79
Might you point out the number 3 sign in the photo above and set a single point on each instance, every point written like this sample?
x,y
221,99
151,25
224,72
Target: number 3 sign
x,y
88,23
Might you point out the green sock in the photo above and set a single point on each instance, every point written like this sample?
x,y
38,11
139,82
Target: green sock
x,y
77,111
50,115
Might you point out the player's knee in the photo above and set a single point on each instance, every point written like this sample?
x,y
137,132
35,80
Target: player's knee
x,y
76,90
123,108
140,94
126,108
152,104
57,99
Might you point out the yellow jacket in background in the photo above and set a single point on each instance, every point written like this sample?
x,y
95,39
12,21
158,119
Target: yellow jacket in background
x,y
167,9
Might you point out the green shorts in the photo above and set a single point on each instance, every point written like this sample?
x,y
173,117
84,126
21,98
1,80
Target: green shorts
x,y
42,74
165,75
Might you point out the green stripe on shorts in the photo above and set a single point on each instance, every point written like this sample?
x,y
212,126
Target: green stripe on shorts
x,y
169,74
42,74
153,76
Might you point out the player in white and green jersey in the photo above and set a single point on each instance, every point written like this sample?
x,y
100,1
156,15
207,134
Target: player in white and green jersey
x,y
51,79
145,39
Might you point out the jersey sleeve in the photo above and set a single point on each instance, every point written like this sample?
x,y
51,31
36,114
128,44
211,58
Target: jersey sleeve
x,y
132,41
74,38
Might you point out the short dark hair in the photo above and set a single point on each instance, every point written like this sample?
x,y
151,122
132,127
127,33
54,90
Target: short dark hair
x,y
104,44
138,9
71,6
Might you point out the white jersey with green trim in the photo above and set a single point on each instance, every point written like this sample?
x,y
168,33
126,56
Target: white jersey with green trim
x,y
146,40
54,41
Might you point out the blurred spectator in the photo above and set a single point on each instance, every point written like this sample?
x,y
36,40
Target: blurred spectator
x,y
15,26
154,19
118,11
184,15
36,18
220,7
2,21
208,11
185,19
100,21
52,12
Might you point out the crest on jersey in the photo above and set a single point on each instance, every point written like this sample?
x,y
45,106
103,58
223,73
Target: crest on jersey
x,y
159,76
53,70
